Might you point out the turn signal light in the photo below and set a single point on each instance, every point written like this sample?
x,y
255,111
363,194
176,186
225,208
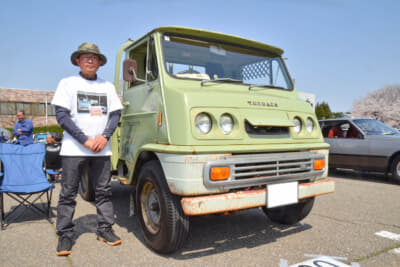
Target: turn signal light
x,y
220,173
159,118
319,164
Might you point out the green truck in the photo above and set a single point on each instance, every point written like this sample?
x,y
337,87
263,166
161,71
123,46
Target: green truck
x,y
212,124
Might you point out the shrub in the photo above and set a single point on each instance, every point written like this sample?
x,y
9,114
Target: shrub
x,y
44,129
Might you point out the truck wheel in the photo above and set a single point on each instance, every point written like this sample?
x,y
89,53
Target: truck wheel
x,y
396,169
163,223
290,214
86,189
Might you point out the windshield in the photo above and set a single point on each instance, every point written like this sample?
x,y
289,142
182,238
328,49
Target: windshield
x,y
191,58
374,127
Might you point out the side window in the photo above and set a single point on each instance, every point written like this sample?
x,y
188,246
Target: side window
x,y
139,54
152,64
342,130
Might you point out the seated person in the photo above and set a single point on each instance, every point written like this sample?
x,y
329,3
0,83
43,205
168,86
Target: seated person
x,y
53,147
352,133
53,138
335,131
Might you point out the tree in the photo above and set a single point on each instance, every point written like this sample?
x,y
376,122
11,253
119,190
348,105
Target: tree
x,y
338,115
323,111
382,104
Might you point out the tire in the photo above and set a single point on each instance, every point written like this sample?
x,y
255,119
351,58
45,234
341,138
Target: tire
x,y
164,225
290,214
396,169
86,189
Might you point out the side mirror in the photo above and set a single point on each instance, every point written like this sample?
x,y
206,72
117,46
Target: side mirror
x,y
129,70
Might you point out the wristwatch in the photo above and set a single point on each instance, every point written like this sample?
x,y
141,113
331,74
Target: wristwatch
x,y
106,137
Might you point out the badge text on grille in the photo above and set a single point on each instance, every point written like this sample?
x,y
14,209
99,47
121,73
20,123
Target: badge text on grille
x,y
263,104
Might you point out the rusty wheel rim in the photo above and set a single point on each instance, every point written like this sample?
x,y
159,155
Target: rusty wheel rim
x,y
150,206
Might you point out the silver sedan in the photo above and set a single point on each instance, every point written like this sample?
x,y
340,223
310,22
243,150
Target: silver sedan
x,y
363,144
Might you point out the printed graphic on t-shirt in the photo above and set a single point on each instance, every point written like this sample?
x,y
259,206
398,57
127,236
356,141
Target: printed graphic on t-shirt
x,y
93,103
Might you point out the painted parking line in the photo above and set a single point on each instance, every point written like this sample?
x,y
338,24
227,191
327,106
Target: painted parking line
x,y
388,235
319,261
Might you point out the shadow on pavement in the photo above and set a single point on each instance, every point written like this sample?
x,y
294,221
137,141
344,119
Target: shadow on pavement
x,y
210,234
216,234
25,215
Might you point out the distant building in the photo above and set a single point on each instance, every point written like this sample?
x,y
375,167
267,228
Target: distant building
x,y
32,102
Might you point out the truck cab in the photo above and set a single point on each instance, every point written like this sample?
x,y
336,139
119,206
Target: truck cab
x,y
212,123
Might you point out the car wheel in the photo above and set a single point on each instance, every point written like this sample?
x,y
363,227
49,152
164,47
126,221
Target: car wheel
x,y
396,169
163,223
290,214
86,189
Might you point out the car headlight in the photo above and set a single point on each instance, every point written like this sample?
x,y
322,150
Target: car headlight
x,y
297,125
309,125
203,123
226,123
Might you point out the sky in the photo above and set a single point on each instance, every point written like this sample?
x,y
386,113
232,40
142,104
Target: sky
x,y
339,50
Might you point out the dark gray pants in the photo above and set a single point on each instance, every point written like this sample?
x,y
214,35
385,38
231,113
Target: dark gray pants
x,y
99,173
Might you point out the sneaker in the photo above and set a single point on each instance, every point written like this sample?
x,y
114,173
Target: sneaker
x,y
64,246
109,237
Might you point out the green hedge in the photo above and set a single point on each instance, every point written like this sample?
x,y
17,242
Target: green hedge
x,y
43,129
50,128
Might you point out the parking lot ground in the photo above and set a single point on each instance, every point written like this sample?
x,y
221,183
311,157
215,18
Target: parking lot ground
x,y
342,224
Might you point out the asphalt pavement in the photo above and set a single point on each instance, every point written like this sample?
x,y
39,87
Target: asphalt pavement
x,y
359,222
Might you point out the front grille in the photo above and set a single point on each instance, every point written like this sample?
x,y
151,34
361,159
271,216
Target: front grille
x,y
272,168
258,169
265,130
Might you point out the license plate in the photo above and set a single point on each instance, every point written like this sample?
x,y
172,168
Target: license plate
x,y
282,194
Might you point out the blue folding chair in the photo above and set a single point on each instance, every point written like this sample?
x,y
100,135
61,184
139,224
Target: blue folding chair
x,y
23,178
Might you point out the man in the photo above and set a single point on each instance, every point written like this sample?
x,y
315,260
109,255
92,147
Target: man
x,y
23,129
88,109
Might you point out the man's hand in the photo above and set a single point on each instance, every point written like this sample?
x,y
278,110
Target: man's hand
x,y
89,143
100,143
97,144
50,140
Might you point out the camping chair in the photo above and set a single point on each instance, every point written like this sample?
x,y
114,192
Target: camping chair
x,y
23,178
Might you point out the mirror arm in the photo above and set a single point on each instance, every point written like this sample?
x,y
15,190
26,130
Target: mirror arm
x,y
133,72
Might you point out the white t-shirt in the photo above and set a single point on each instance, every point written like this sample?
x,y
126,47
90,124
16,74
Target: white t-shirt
x,y
90,103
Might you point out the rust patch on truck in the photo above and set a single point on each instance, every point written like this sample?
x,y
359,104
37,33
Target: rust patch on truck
x,y
223,202
247,199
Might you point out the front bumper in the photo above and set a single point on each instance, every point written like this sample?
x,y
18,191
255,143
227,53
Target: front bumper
x,y
189,175
248,199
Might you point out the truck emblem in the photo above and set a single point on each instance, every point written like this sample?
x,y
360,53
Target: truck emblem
x,y
263,104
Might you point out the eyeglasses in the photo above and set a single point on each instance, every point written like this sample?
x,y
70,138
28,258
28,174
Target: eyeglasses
x,y
87,58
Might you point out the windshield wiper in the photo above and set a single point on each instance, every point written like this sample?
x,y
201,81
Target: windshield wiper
x,y
266,86
221,80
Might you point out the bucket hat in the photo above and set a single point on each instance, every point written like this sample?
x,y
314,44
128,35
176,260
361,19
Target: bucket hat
x,y
88,48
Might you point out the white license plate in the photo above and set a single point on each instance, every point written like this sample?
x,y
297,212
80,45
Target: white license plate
x,y
282,194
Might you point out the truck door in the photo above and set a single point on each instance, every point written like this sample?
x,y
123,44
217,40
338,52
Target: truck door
x,y
141,101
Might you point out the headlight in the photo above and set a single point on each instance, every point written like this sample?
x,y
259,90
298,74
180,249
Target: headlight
x,y
309,125
226,123
203,123
297,125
